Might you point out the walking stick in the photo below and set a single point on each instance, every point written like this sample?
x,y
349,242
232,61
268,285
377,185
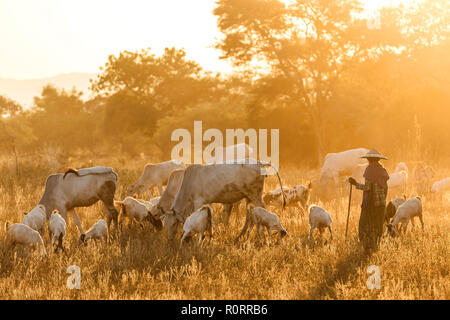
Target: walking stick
x,y
348,212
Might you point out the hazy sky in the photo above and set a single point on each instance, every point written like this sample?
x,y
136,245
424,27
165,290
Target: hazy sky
x,y
48,37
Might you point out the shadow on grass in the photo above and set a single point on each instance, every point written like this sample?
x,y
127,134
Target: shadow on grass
x,y
345,267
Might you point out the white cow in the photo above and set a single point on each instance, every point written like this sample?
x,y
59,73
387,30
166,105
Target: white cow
x,y
341,164
398,180
81,188
230,153
155,175
441,186
164,203
216,183
358,172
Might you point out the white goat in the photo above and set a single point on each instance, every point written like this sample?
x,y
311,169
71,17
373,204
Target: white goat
x,y
320,219
406,212
19,233
260,218
199,222
57,229
138,210
36,219
99,231
391,208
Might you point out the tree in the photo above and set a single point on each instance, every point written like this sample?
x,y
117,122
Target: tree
x,y
306,45
9,107
140,88
60,118
169,82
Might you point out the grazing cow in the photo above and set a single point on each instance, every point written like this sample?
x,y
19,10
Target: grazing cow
x,y
231,153
216,183
341,164
423,175
155,175
297,195
81,188
358,172
398,180
173,185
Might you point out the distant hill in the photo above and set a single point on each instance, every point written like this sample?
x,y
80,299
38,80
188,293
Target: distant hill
x,y
23,91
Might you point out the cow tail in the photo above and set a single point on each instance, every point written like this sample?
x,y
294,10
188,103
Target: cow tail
x,y
266,164
210,213
71,170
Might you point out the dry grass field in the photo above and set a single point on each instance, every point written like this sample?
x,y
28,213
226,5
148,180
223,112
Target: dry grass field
x,y
142,265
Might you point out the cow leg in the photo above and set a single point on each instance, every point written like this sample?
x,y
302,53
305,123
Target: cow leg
x,y
160,189
421,221
413,223
405,226
227,208
254,196
200,240
107,197
246,224
76,219
250,229
311,230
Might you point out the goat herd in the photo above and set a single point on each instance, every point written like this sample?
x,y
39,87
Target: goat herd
x,y
190,191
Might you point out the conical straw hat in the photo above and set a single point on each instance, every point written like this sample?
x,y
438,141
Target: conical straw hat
x,y
374,154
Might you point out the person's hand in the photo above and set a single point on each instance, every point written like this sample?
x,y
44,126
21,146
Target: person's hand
x,y
352,181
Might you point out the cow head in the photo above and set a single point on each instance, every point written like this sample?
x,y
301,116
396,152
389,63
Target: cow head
x,y
156,222
157,211
171,220
135,189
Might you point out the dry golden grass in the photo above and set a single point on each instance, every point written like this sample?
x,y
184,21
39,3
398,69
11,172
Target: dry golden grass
x,y
142,265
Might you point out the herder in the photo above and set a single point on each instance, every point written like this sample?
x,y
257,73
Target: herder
x,y
374,201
